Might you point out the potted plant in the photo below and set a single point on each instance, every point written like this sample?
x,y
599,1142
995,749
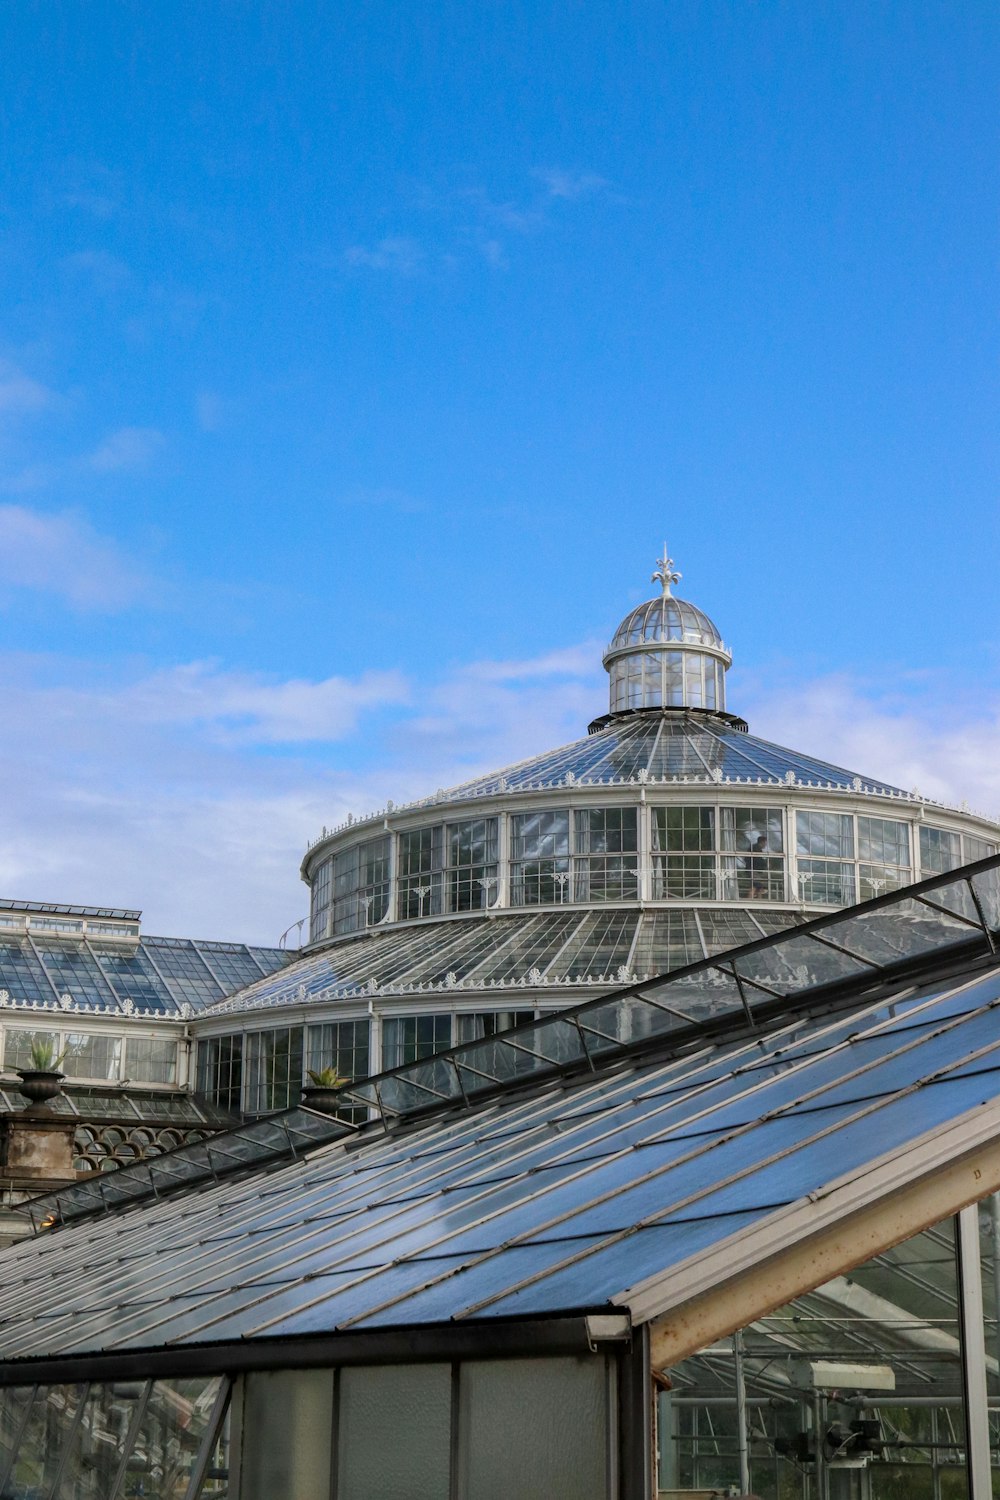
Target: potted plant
x,y
322,1090
42,1080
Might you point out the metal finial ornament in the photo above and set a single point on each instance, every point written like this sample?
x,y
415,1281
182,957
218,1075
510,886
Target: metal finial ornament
x,y
666,574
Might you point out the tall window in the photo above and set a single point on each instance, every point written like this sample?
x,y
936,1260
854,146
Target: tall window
x,y
340,1045
407,1039
274,1069
753,854
319,918
825,847
883,855
729,854
420,859
539,858
220,1070
684,862
606,845
361,885
471,872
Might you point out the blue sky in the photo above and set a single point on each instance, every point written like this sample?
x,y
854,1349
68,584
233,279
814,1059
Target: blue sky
x,y
354,363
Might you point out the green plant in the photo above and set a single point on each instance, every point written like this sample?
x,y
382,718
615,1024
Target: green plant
x,y
326,1078
43,1056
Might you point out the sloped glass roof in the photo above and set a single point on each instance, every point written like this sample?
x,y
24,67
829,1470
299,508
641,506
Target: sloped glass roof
x,y
572,1194
165,976
552,947
669,747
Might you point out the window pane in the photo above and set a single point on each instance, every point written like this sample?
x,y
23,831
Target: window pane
x,y
826,882
939,850
533,1427
408,1456
406,1039
683,828
752,830
826,835
883,841
287,1435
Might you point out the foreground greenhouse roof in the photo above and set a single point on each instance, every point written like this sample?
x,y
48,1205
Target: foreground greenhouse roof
x,y
640,1173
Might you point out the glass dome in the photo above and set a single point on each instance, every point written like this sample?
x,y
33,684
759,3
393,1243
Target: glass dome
x,y
666,619
667,653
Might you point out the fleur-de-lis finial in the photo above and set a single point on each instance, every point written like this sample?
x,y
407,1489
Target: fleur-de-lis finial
x,y
665,573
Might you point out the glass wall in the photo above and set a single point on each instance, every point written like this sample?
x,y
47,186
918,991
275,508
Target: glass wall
x,y
111,1441
591,855
482,1429
667,679
858,1390
340,1045
360,885
95,1056
725,853
220,1070
273,1069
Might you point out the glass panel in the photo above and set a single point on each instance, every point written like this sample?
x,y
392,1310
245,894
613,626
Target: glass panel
x,y
394,1433
854,1390
14,1403
274,1069
420,856
95,1455
533,1427
539,854
287,1435
939,850
471,879
825,835
406,1039
43,1440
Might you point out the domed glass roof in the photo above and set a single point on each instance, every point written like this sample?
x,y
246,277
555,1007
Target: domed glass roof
x,y
666,619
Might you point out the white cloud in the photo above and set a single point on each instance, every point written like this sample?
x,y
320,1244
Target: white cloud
x,y
61,554
248,709
127,448
396,253
562,184
209,410
904,739
19,393
109,272
192,791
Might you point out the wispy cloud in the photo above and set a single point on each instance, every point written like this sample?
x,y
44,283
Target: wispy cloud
x,y
473,221
398,254
571,185
903,740
61,554
108,272
127,448
111,790
20,393
242,708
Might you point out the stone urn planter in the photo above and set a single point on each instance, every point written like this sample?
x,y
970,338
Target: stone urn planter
x,y
322,1092
325,1100
39,1085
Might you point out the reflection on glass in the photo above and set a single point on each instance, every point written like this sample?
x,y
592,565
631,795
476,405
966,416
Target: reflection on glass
x,y
853,1390
43,1439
